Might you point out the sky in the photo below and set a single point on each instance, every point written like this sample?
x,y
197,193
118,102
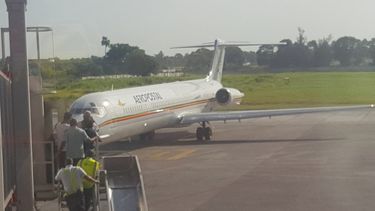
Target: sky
x,y
157,25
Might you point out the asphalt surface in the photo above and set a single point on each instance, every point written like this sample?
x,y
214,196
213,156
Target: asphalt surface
x,y
303,162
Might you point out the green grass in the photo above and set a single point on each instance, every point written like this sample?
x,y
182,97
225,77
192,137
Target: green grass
x,y
262,91
303,89
75,89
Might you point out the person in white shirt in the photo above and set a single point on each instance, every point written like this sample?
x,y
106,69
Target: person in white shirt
x,y
58,134
75,140
72,180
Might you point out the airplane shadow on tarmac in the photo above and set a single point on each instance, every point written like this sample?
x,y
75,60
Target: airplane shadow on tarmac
x,y
175,139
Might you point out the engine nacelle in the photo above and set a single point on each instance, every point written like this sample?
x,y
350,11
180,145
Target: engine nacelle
x,y
225,96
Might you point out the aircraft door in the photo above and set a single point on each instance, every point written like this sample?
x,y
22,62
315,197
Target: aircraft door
x,y
107,109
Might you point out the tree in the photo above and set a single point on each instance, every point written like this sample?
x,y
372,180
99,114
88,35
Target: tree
x,y
323,54
105,42
371,45
296,54
124,58
361,52
301,39
265,55
118,55
250,57
160,59
284,56
178,60
234,58
199,60
119,52
302,55
139,63
344,50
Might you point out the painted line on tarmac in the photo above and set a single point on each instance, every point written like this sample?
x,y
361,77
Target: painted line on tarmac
x,y
160,155
175,154
183,154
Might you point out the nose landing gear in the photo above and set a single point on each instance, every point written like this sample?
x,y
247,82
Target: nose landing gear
x,y
203,132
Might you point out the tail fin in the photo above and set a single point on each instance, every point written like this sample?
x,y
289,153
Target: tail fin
x,y
217,62
216,71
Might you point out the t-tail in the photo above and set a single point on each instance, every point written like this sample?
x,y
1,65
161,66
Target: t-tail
x,y
217,62
216,71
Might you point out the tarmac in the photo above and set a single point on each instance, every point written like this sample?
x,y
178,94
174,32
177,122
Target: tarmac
x,y
314,162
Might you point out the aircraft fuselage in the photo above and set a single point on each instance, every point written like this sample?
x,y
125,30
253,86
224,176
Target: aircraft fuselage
x,y
132,111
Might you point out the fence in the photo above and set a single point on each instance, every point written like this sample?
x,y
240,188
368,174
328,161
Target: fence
x,y
7,138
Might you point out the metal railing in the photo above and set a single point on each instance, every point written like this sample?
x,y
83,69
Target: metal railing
x,y
49,160
7,138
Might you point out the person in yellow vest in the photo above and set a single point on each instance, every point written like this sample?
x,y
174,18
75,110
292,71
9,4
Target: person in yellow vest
x,y
71,178
91,167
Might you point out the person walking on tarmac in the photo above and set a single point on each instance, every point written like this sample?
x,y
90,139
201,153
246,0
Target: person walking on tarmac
x,y
91,167
75,138
89,125
58,134
71,178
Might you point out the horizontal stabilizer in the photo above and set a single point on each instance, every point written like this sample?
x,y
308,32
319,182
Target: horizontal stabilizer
x,y
228,44
194,46
219,53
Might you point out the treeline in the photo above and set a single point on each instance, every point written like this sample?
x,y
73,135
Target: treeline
x,y
120,59
126,59
345,51
200,61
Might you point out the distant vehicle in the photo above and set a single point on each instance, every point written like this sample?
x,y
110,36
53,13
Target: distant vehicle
x,y
140,111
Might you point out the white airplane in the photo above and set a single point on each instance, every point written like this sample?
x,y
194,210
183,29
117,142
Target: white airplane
x,y
128,112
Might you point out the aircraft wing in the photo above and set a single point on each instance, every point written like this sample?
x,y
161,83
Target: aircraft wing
x,y
238,115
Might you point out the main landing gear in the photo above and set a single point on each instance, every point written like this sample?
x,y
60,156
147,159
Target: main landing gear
x,y
203,132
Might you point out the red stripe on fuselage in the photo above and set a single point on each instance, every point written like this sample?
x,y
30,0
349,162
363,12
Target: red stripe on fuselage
x,y
147,113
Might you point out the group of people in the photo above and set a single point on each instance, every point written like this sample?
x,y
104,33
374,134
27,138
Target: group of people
x,y
75,155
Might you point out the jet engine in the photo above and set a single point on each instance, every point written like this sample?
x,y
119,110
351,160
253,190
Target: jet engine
x,y
225,96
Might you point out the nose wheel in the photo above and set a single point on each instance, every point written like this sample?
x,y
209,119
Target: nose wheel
x,y
203,132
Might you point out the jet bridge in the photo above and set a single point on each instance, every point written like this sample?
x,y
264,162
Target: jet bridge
x,y
123,185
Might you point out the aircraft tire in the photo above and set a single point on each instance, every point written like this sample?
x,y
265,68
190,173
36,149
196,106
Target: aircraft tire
x,y
207,133
200,133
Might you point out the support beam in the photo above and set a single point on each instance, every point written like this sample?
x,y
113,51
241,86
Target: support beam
x,y
21,102
3,44
37,44
2,196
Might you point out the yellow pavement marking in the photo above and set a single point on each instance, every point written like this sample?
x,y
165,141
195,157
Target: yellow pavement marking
x,y
159,155
175,154
182,154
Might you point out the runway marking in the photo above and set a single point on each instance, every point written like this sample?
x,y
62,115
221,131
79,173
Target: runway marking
x,y
182,154
175,154
159,155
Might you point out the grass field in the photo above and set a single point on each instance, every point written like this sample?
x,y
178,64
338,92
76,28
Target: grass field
x,y
75,89
262,91
287,90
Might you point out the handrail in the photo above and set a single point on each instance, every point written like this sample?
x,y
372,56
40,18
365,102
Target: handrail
x,y
8,198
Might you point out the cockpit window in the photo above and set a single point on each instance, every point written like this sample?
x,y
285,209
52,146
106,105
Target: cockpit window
x,y
79,108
